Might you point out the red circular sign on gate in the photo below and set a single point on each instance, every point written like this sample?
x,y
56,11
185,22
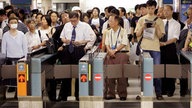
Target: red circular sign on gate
x,y
97,77
148,77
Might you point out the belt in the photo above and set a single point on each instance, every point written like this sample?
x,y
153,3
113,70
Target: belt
x,y
74,46
124,51
15,58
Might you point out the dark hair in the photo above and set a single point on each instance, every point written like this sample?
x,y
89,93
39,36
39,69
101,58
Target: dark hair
x,y
34,11
89,12
13,18
29,20
175,15
156,11
151,3
97,10
73,15
39,14
22,11
110,8
102,14
8,7
12,12
137,7
123,10
106,8
143,5
47,18
85,14
55,13
115,11
49,11
2,12
119,19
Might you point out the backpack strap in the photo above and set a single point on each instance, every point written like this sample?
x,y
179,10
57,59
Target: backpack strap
x,y
40,35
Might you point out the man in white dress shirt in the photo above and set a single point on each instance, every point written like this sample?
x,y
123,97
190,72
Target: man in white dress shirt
x,y
77,37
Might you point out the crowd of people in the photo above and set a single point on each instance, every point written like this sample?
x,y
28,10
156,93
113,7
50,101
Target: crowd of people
x,y
115,31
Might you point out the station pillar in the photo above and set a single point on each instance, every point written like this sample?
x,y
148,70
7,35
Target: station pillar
x,y
46,5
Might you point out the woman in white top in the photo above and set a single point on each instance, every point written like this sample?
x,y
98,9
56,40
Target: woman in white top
x,y
46,28
97,22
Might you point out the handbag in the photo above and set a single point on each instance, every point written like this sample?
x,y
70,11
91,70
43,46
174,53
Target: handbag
x,y
50,45
138,48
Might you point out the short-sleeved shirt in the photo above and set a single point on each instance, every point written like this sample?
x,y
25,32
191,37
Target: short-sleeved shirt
x,y
150,44
174,28
112,37
83,32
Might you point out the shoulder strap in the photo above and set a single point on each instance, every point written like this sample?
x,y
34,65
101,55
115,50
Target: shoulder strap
x,y
155,19
51,30
47,36
40,35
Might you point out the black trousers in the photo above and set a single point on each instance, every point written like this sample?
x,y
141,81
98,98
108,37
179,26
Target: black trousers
x,y
183,81
169,56
70,58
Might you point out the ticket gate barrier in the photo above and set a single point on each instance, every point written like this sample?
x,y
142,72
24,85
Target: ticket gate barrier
x,y
91,72
22,78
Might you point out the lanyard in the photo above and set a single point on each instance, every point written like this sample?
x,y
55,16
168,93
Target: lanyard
x,y
116,39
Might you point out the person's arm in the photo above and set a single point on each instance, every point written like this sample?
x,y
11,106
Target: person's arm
x,y
25,47
139,28
103,47
187,41
90,38
159,28
3,45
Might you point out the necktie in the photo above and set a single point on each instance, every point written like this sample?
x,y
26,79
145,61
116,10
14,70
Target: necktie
x,y
71,47
164,38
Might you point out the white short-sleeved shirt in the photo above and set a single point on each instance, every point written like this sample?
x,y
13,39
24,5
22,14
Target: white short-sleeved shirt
x,y
33,39
174,28
83,32
119,37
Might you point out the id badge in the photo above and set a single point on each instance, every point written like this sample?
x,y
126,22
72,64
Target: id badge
x,y
113,47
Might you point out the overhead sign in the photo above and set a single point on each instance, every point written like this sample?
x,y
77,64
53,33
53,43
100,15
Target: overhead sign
x,y
186,1
20,2
148,77
97,77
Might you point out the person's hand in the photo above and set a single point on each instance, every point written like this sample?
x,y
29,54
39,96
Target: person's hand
x,y
112,53
67,41
35,47
189,21
184,49
162,44
60,48
77,43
